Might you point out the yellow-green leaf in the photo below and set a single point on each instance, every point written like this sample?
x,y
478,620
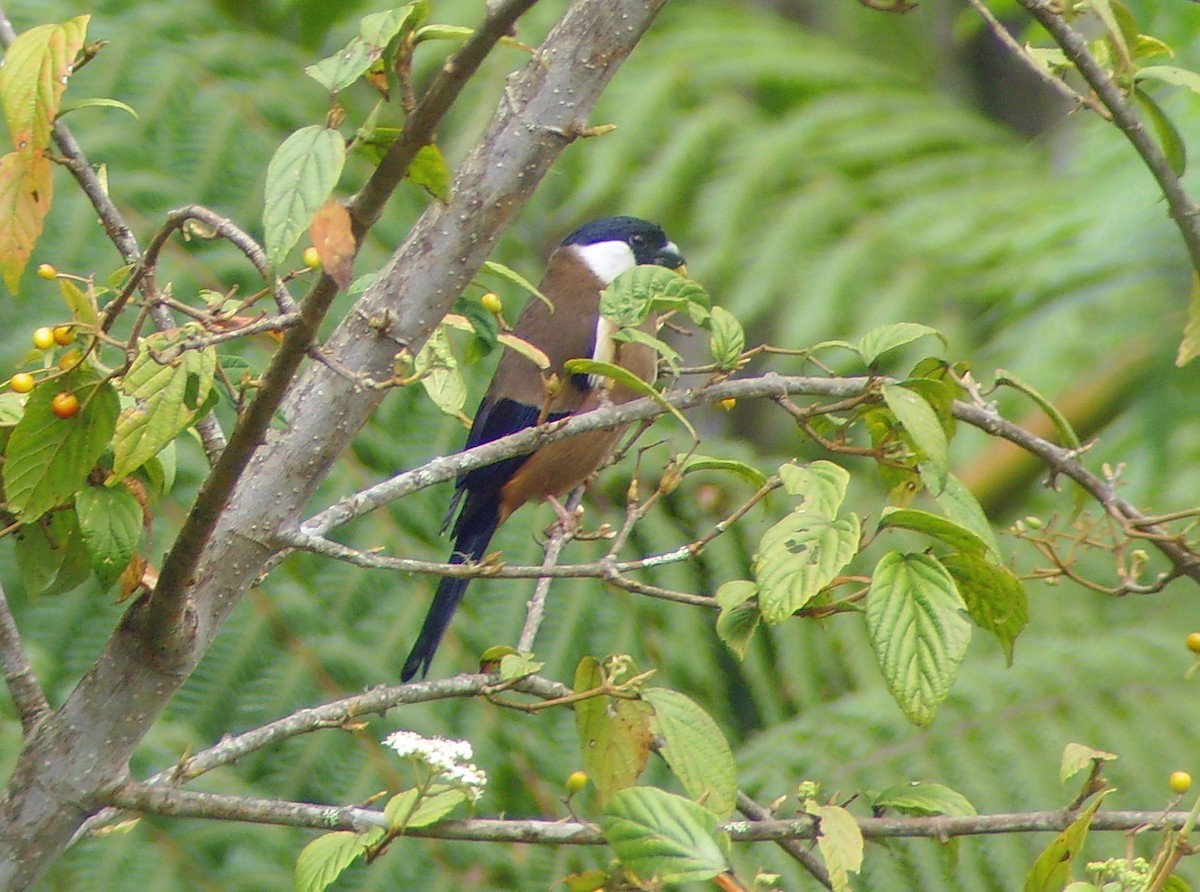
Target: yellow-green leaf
x,y
798,557
300,177
840,842
614,734
441,377
25,193
1052,870
33,79
820,484
1077,757
405,811
659,835
696,750
323,860
921,423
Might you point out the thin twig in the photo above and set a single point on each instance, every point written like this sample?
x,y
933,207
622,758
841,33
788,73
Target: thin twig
x,y
807,859
535,607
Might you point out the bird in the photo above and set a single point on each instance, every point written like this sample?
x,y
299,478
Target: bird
x,y
587,261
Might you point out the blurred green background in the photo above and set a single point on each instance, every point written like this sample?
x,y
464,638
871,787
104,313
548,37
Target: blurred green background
x,y
826,169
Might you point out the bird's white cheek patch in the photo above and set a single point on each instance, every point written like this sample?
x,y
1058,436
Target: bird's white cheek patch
x,y
605,349
607,259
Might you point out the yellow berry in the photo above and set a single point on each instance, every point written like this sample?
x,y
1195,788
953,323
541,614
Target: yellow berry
x,y
1193,642
727,403
43,338
576,781
1179,782
22,382
311,258
70,360
63,335
491,302
46,271
64,404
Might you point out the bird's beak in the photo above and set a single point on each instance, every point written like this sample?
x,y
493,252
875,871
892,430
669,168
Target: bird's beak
x,y
670,257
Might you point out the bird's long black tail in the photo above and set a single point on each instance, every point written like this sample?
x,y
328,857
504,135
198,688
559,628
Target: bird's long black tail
x,y
470,544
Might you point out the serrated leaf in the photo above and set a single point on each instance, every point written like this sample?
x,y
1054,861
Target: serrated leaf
x,y
923,799
918,629
994,596
1169,138
111,521
441,379
300,177
1076,757
920,422
49,458
33,79
940,528
880,340
659,835
430,171
614,740
694,462
821,484
728,338
323,860
500,271
840,842
405,812
1052,869
637,293
169,398
25,191
961,506
51,555
798,557
695,749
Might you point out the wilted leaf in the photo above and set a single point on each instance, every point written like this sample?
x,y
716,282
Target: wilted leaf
x,y
614,735
334,241
25,192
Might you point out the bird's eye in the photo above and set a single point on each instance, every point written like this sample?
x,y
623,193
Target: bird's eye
x,y
637,240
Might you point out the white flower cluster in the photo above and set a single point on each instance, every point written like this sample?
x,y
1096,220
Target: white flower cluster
x,y
451,759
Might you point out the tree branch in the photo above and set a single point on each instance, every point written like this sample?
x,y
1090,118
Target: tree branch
x,y
23,685
1073,44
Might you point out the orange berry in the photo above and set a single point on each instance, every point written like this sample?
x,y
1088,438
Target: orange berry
x,y
64,404
43,338
63,335
1179,782
46,271
22,382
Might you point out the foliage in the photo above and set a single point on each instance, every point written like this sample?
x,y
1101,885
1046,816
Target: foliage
x,y
760,143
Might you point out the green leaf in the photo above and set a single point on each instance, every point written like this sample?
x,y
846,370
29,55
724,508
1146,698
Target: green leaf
x,y
1052,870
518,665
441,379
880,340
323,860
1169,138
940,528
994,596
12,407
429,171
964,509
798,557
1076,757
728,339
169,398
692,463
1170,74
51,555
49,458
637,293
917,627
1105,12
300,177
1066,434
98,102
33,79
695,749
636,336
923,799
405,812
111,520
500,271
662,836
614,735
1189,347
344,67
840,842
821,484
921,423
737,623
81,305
627,379
379,28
